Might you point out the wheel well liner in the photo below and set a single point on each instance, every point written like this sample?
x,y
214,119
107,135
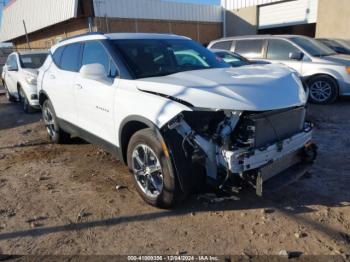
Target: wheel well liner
x,y
42,97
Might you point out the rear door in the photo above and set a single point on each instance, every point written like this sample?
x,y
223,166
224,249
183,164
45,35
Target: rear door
x,y
278,51
95,98
60,79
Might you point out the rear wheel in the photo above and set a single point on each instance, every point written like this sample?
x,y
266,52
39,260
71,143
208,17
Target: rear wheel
x,y
55,133
9,97
323,90
152,170
27,108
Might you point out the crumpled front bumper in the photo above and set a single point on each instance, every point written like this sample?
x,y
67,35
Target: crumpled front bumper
x,y
285,159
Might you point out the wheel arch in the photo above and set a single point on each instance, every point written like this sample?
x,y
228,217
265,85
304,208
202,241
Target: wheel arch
x,y
128,128
320,74
42,97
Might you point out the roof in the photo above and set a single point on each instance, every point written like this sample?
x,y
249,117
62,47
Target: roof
x,y
143,36
115,36
257,37
39,14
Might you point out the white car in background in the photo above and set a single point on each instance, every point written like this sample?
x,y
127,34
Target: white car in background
x,y
176,114
19,78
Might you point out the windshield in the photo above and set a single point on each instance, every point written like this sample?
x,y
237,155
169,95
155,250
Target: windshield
x,y
32,60
154,57
313,47
232,59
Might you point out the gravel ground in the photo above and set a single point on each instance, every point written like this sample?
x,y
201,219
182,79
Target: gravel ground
x,y
62,199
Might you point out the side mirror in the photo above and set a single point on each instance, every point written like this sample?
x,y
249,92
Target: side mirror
x,y
296,55
11,68
94,72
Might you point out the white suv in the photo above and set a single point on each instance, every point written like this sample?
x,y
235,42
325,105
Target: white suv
x,y
176,114
19,77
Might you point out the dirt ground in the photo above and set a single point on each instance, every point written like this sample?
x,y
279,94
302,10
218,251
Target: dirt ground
x,y
62,199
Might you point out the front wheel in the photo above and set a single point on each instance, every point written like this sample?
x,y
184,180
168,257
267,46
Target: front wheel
x,y
9,97
56,134
27,108
323,90
152,170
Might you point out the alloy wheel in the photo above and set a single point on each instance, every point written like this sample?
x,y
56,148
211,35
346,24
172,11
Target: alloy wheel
x,y
49,121
147,170
320,91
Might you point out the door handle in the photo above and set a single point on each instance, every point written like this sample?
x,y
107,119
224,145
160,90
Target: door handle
x,y
52,76
79,86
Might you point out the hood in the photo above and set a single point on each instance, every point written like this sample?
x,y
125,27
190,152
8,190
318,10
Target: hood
x,y
30,71
248,88
338,59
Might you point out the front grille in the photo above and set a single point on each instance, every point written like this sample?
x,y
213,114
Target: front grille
x,y
269,127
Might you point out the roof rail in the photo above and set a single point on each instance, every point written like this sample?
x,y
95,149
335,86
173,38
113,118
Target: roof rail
x,y
85,34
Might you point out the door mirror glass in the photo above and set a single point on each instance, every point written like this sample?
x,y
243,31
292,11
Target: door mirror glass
x,y
296,55
94,72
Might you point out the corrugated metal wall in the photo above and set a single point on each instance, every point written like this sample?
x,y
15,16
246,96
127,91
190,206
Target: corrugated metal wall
x,y
288,13
37,14
157,9
237,4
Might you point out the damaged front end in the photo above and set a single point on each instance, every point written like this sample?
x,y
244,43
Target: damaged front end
x,y
233,148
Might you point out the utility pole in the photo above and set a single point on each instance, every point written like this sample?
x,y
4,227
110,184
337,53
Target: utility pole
x,y
25,30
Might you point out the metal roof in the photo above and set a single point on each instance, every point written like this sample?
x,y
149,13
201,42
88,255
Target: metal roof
x,y
158,9
37,14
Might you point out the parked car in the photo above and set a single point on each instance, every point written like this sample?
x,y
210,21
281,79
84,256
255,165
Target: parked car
x,y
338,45
326,73
235,60
176,122
19,78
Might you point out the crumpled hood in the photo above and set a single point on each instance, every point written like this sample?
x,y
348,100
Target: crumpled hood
x,y
248,88
338,59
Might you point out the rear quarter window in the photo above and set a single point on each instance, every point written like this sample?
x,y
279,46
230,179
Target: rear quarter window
x,y
249,48
223,45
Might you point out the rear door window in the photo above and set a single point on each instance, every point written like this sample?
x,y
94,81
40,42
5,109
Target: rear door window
x,y
70,60
250,48
280,49
223,45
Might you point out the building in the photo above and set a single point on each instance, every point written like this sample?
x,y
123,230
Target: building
x,y
320,18
49,21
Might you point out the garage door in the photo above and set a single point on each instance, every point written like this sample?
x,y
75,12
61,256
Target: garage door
x,y
288,13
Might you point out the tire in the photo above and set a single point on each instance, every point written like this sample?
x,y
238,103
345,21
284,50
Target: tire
x,y
155,181
27,108
55,133
323,90
9,97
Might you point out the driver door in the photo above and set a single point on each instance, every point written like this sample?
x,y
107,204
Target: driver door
x,y
278,51
95,98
